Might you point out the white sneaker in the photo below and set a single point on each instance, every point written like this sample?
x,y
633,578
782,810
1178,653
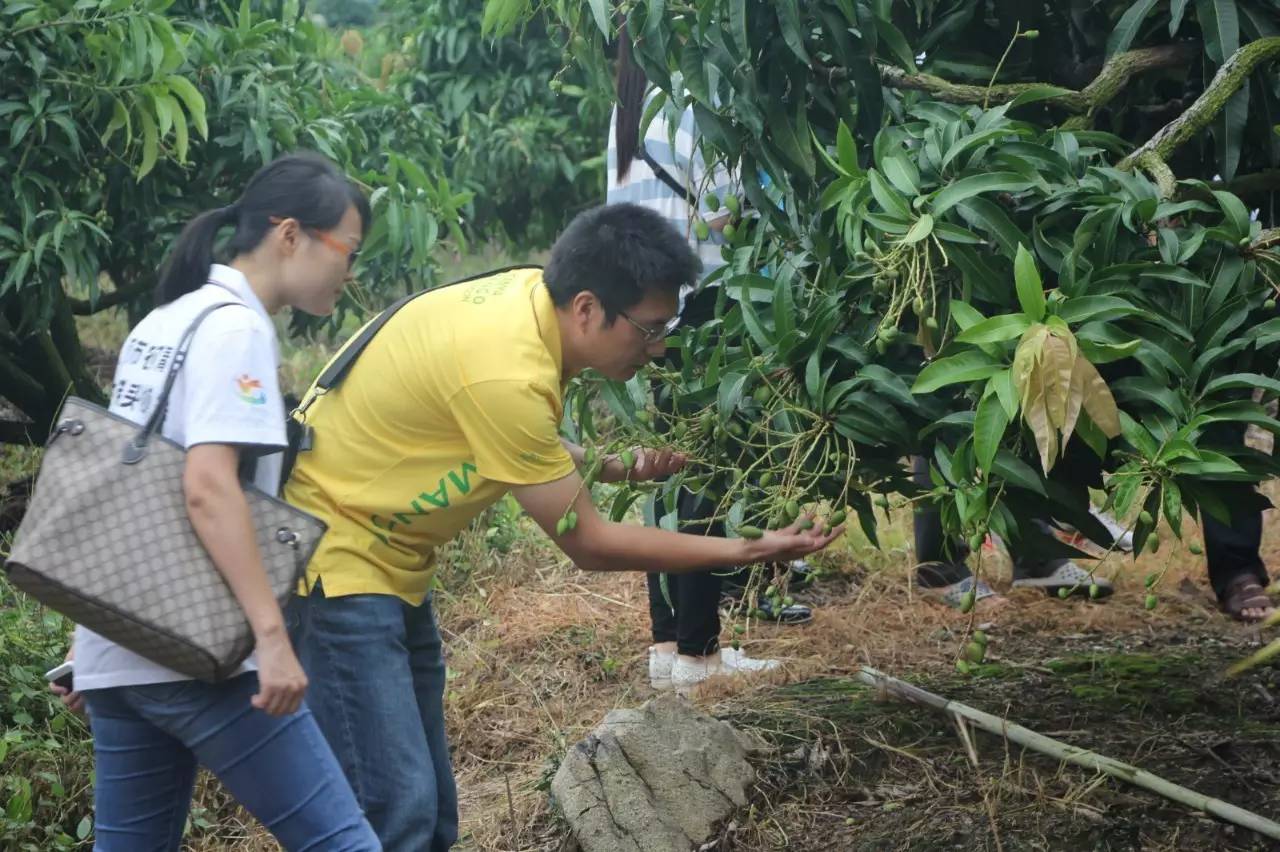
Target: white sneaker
x,y
660,663
1123,537
1069,576
688,671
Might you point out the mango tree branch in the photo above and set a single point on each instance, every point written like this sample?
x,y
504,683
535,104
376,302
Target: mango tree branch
x,y
1224,84
1267,180
1111,80
85,307
62,330
22,390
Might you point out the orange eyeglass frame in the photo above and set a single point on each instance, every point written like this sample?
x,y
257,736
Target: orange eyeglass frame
x,y
328,239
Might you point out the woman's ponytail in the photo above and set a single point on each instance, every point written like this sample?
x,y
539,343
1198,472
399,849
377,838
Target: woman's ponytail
x,y
187,268
631,87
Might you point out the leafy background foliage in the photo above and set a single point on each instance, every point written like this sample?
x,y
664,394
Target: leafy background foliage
x,y
959,254
122,120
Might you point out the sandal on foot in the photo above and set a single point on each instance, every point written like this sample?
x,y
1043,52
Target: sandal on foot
x,y
1069,576
1245,592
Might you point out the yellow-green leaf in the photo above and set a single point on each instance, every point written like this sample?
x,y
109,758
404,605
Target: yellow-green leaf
x,y
1029,287
1055,377
165,106
181,141
920,230
192,100
119,119
988,428
1098,401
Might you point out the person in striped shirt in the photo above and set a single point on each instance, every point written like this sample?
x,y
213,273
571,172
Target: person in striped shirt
x,y
664,169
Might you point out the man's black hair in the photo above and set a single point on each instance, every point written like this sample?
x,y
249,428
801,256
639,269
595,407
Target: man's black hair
x,y
619,252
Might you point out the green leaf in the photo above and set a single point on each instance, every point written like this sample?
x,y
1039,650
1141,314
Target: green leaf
x,y
165,106
1039,92
1221,28
693,67
956,234
731,385
968,366
181,141
1030,289
846,149
1171,501
902,173
119,119
973,140
601,14
1176,9
1001,384
1137,435
150,144
1241,381
192,100
1127,28
1228,131
965,314
887,197
789,18
784,307
997,329
988,429
738,23
986,215
951,195
897,44
920,230
1085,308
1016,472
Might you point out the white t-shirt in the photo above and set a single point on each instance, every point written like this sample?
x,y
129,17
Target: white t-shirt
x,y
227,392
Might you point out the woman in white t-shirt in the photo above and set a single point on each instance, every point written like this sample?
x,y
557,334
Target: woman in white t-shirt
x,y
297,231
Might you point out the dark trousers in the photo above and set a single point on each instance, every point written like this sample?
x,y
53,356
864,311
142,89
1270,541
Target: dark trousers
x,y
1233,549
692,618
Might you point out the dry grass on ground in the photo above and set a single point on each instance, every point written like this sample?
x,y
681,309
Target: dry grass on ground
x,y
539,652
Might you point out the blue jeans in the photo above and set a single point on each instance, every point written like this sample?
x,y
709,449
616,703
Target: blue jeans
x,y
148,740
377,674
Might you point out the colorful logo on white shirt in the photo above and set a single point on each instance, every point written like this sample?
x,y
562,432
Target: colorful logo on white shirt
x,y
250,390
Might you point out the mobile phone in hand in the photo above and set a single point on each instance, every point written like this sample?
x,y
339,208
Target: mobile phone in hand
x,y
61,675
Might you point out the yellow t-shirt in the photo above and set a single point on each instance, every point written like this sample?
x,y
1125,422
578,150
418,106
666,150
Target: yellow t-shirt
x,y
457,398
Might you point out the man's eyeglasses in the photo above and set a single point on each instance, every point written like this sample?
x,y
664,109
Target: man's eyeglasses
x,y
340,246
648,333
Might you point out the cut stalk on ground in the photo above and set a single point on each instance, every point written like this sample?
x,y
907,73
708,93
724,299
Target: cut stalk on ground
x,y
1028,738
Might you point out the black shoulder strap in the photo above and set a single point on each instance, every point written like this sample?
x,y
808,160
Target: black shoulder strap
x,y
341,364
665,176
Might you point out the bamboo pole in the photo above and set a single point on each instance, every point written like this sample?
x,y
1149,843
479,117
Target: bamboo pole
x,y
1071,754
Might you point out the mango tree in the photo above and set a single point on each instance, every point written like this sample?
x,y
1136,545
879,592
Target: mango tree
x,y
121,120
990,234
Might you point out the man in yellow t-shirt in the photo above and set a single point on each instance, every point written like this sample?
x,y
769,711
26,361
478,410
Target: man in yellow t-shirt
x,y
454,402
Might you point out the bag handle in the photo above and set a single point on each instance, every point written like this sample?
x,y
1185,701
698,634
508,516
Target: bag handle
x,y
136,449
665,176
